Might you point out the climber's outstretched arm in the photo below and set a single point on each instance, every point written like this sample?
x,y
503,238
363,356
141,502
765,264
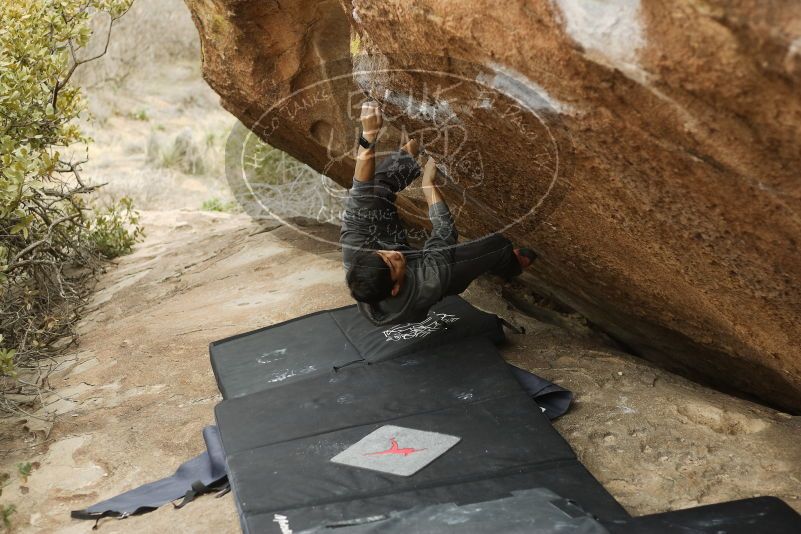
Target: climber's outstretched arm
x,y
430,190
443,229
372,120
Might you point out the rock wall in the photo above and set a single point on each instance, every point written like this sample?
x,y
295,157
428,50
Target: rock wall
x,y
650,151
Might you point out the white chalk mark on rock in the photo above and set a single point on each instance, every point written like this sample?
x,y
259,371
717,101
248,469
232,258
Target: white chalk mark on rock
x,y
795,47
793,55
609,30
439,112
522,89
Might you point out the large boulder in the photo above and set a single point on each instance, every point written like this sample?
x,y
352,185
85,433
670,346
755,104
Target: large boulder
x,y
649,151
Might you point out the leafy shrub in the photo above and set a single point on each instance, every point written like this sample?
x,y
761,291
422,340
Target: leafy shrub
x,y
215,204
115,229
183,154
139,115
267,182
6,360
6,511
51,239
24,469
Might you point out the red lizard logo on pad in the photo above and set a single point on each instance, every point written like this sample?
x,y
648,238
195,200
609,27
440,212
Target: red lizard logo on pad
x,y
394,449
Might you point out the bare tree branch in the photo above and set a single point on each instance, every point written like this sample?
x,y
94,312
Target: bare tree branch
x,y
77,62
33,246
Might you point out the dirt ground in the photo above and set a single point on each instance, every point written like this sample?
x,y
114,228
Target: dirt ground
x,y
135,395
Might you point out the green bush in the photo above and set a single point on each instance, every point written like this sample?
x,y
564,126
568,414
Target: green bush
x,y
183,154
6,511
24,469
269,165
140,115
215,204
267,182
115,229
6,360
51,238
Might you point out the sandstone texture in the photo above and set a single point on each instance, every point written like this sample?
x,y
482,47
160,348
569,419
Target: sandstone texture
x,y
650,151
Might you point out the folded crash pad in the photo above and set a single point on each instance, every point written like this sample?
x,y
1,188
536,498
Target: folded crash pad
x,y
305,392
534,510
767,515
317,343
279,442
332,339
565,477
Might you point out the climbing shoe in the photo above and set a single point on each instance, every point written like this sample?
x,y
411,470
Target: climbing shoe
x,y
525,256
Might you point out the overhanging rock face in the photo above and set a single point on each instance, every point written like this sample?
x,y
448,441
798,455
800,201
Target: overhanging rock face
x,y
650,152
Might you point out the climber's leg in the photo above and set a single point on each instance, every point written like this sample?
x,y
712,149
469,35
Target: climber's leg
x,y
492,254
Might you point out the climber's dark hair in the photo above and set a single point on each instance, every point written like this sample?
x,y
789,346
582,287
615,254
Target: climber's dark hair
x,y
369,278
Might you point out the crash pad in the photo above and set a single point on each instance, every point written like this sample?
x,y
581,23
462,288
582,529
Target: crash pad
x,y
317,343
280,442
301,394
767,515
321,342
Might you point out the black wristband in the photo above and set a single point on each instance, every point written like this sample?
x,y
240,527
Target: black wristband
x,y
364,143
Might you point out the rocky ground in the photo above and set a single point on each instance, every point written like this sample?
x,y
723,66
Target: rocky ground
x,y
133,397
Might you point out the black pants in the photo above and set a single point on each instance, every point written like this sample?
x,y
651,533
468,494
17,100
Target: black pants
x,y
491,254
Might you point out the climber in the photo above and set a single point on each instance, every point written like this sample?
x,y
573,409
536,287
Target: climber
x,y
392,282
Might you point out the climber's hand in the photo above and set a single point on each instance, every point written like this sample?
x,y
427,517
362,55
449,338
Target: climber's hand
x,y
372,120
430,189
429,173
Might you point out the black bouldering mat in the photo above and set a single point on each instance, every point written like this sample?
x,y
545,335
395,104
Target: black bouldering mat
x,y
279,442
318,343
279,354
767,515
533,510
300,393
332,339
451,319
553,400
363,394
565,478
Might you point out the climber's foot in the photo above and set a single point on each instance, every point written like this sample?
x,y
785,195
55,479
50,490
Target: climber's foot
x,y
525,256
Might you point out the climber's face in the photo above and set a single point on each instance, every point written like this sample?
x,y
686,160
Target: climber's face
x,y
396,262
